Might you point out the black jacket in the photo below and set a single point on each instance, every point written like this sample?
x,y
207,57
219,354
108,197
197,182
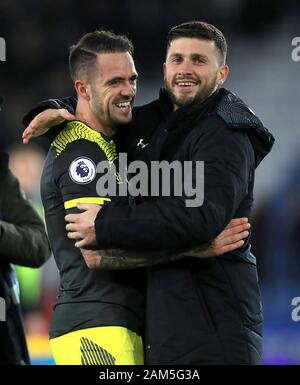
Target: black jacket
x,y
23,241
198,311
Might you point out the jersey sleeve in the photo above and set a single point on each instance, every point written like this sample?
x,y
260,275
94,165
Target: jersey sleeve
x,y
76,176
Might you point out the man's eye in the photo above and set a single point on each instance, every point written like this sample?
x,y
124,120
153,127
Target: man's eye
x,y
176,60
198,60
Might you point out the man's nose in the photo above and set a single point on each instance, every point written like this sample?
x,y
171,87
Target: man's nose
x,y
129,91
185,68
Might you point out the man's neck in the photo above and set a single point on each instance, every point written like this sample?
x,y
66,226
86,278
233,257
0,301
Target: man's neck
x,y
93,122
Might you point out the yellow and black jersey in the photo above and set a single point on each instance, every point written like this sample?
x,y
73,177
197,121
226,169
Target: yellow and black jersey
x,y
87,298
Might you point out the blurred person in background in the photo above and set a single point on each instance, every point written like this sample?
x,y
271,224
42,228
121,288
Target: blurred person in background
x,y
38,287
23,241
26,163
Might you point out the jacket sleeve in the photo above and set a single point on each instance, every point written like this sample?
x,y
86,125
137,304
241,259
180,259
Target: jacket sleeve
x,y
23,240
68,103
167,222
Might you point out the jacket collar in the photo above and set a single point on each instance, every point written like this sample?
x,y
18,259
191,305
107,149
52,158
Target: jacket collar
x,y
187,112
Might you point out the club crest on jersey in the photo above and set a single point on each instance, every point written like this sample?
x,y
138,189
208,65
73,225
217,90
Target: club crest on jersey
x,y
82,170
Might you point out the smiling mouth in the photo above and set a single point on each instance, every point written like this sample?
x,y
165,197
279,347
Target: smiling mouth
x,y
124,105
185,84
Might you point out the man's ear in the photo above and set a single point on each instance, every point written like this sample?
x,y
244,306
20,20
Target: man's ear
x,y
223,73
82,89
165,70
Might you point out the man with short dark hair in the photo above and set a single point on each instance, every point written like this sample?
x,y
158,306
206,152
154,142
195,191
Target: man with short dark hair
x,y
215,41
97,317
203,31
198,310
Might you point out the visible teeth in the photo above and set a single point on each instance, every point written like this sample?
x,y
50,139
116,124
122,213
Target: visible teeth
x,y
185,83
123,105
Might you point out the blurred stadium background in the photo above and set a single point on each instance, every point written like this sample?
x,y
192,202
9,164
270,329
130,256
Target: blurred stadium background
x,y
259,34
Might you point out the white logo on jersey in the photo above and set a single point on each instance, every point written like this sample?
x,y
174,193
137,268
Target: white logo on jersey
x,y
141,144
82,170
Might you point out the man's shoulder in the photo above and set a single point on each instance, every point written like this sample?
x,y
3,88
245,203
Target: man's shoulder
x,y
234,111
234,120
78,137
148,112
152,106
145,120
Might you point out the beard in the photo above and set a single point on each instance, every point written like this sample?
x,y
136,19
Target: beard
x,y
106,113
200,96
102,112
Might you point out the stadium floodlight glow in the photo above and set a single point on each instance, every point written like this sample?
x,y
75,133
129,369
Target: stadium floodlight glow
x,y
2,49
2,309
296,50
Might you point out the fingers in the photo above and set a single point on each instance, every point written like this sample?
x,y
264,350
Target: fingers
x,y
73,230
231,247
87,206
27,135
236,221
66,115
234,230
37,125
44,121
72,227
82,244
231,239
29,132
74,235
26,138
83,207
71,218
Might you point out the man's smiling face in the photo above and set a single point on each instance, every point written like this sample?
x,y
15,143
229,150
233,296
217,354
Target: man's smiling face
x,y
192,71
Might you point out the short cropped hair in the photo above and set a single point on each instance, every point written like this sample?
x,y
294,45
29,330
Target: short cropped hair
x,y
83,55
200,30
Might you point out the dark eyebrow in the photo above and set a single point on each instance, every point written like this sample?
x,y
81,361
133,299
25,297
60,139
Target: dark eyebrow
x,y
114,79
120,79
134,77
199,56
175,54
193,55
